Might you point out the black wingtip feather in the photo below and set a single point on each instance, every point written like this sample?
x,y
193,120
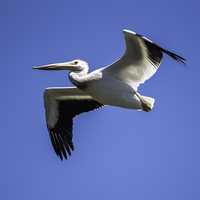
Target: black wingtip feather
x,y
62,146
61,133
62,143
154,55
54,142
176,57
57,144
71,146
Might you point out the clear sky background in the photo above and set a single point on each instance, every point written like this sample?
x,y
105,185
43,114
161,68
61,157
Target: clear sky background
x,y
119,154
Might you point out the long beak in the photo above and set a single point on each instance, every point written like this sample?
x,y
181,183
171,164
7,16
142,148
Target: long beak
x,y
57,66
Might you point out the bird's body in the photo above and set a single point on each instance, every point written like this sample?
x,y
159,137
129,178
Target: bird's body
x,y
115,85
110,91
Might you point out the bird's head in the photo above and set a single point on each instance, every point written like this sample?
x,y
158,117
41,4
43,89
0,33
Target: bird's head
x,y
74,66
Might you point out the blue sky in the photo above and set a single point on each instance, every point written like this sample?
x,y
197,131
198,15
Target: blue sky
x,y
120,154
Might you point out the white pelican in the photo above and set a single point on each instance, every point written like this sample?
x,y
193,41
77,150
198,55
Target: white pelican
x,y
115,85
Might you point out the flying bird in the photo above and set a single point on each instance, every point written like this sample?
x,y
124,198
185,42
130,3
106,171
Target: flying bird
x,y
115,85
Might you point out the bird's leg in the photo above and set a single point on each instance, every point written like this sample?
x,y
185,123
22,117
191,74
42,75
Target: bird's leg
x,y
146,106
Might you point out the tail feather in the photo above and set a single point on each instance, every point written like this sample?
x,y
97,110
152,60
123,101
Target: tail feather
x,y
149,101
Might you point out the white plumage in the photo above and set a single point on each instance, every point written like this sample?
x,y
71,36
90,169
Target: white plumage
x,y
115,85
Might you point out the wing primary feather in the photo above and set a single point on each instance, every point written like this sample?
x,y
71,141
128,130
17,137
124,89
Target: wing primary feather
x,y
155,52
157,58
65,139
176,57
62,146
71,145
66,144
67,148
53,141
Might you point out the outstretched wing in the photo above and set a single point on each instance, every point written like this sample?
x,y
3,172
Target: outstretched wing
x,y
61,106
141,60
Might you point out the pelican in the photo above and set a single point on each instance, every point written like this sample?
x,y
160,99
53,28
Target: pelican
x,y
115,85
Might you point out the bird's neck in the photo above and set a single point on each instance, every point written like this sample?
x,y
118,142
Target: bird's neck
x,y
78,78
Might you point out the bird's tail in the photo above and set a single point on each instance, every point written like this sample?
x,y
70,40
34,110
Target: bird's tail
x,y
149,101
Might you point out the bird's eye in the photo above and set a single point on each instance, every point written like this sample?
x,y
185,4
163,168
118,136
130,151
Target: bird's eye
x,y
76,62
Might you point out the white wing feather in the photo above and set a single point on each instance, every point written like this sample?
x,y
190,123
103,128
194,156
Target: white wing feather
x,y
140,60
